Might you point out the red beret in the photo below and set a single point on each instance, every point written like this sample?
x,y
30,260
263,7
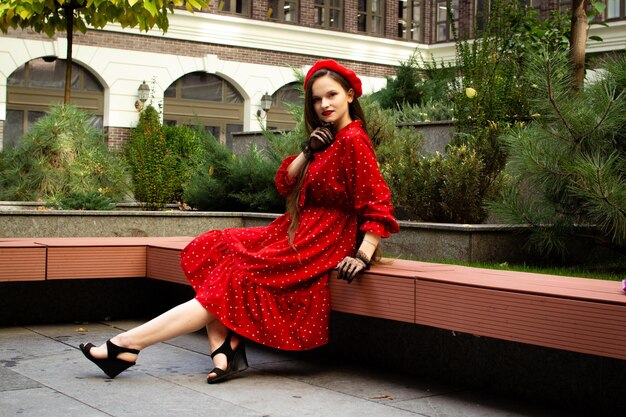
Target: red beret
x,y
334,66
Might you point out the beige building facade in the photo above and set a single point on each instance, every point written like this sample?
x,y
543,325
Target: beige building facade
x,y
214,66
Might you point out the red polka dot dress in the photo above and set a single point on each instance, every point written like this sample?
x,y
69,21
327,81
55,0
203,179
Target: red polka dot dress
x,y
256,284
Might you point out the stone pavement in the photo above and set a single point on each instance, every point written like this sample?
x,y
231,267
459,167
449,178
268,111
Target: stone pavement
x,y
44,374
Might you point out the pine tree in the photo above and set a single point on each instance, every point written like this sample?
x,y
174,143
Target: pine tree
x,y
567,168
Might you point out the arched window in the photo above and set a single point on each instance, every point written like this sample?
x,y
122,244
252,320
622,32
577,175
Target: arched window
x,y
39,83
205,99
279,116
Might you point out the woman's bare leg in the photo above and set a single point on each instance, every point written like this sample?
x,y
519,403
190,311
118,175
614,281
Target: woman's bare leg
x,y
217,332
182,319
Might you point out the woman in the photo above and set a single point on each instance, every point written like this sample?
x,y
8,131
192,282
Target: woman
x,y
270,284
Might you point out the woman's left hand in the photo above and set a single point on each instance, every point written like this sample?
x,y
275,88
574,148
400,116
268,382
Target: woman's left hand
x,y
349,267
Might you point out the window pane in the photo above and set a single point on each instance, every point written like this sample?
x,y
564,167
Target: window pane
x,y
442,33
272,9
91,83
44,74
242,7
33,116
336,4
335,18
96,122
13,128
200,86
290,12
376,6
224,6
362,5
378,24
403,9
415,32
319,16
290,94
362,23
232,96
612,9
170,91
402,29
17,78
442,13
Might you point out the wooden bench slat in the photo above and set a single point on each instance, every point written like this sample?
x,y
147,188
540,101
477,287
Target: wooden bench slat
x,y
375,296
164,264
96,262
575,314
26,263
603,291
495,318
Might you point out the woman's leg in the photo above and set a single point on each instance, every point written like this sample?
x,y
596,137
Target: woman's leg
x,y
217,333
182,319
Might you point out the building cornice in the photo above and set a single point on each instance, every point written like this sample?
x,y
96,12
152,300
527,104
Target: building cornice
x,y
281,37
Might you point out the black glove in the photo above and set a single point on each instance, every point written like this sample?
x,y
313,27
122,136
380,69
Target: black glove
x,y
349,267
319,139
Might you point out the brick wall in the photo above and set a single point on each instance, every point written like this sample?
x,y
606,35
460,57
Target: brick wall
x,y
146,43
116,136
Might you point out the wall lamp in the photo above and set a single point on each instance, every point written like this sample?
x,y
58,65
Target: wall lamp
x,y
143,93
266,104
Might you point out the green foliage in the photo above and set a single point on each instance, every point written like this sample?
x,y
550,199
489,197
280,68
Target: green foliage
x,y
185,145
416,83
226,182
430,111
491,66
49,16
152,163
567,169
91,200
434,188
61,155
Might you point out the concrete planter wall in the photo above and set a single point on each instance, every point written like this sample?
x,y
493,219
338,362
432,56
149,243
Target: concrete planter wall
x,y
436,137
416,240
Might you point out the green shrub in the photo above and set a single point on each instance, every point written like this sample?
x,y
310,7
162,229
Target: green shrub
x,y
416,83
60,156
430,111
567,170
152,163
91,200
226,182
185,145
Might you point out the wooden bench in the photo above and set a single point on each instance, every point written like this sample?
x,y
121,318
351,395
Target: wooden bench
x,y
574,314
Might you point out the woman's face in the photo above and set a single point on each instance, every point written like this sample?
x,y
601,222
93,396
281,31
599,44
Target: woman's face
x,y
330,102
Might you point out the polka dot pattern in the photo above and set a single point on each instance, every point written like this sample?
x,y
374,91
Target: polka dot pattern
x,y
255,283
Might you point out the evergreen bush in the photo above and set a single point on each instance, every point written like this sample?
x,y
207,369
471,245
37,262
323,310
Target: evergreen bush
x,y
416,83
152,163
62,155
567,169
185,144
226,182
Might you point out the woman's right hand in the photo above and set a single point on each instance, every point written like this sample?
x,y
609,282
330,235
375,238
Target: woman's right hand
x,y
319,139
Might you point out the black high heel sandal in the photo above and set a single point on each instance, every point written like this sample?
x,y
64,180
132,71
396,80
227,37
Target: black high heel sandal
x,y
236,360
111,365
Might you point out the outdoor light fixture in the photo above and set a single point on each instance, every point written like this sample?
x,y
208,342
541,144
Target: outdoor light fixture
x,y
143,93
266,104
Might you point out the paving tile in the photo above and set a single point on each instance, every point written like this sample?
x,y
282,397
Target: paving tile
x,y
12,381
473,404
44,402
43,372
